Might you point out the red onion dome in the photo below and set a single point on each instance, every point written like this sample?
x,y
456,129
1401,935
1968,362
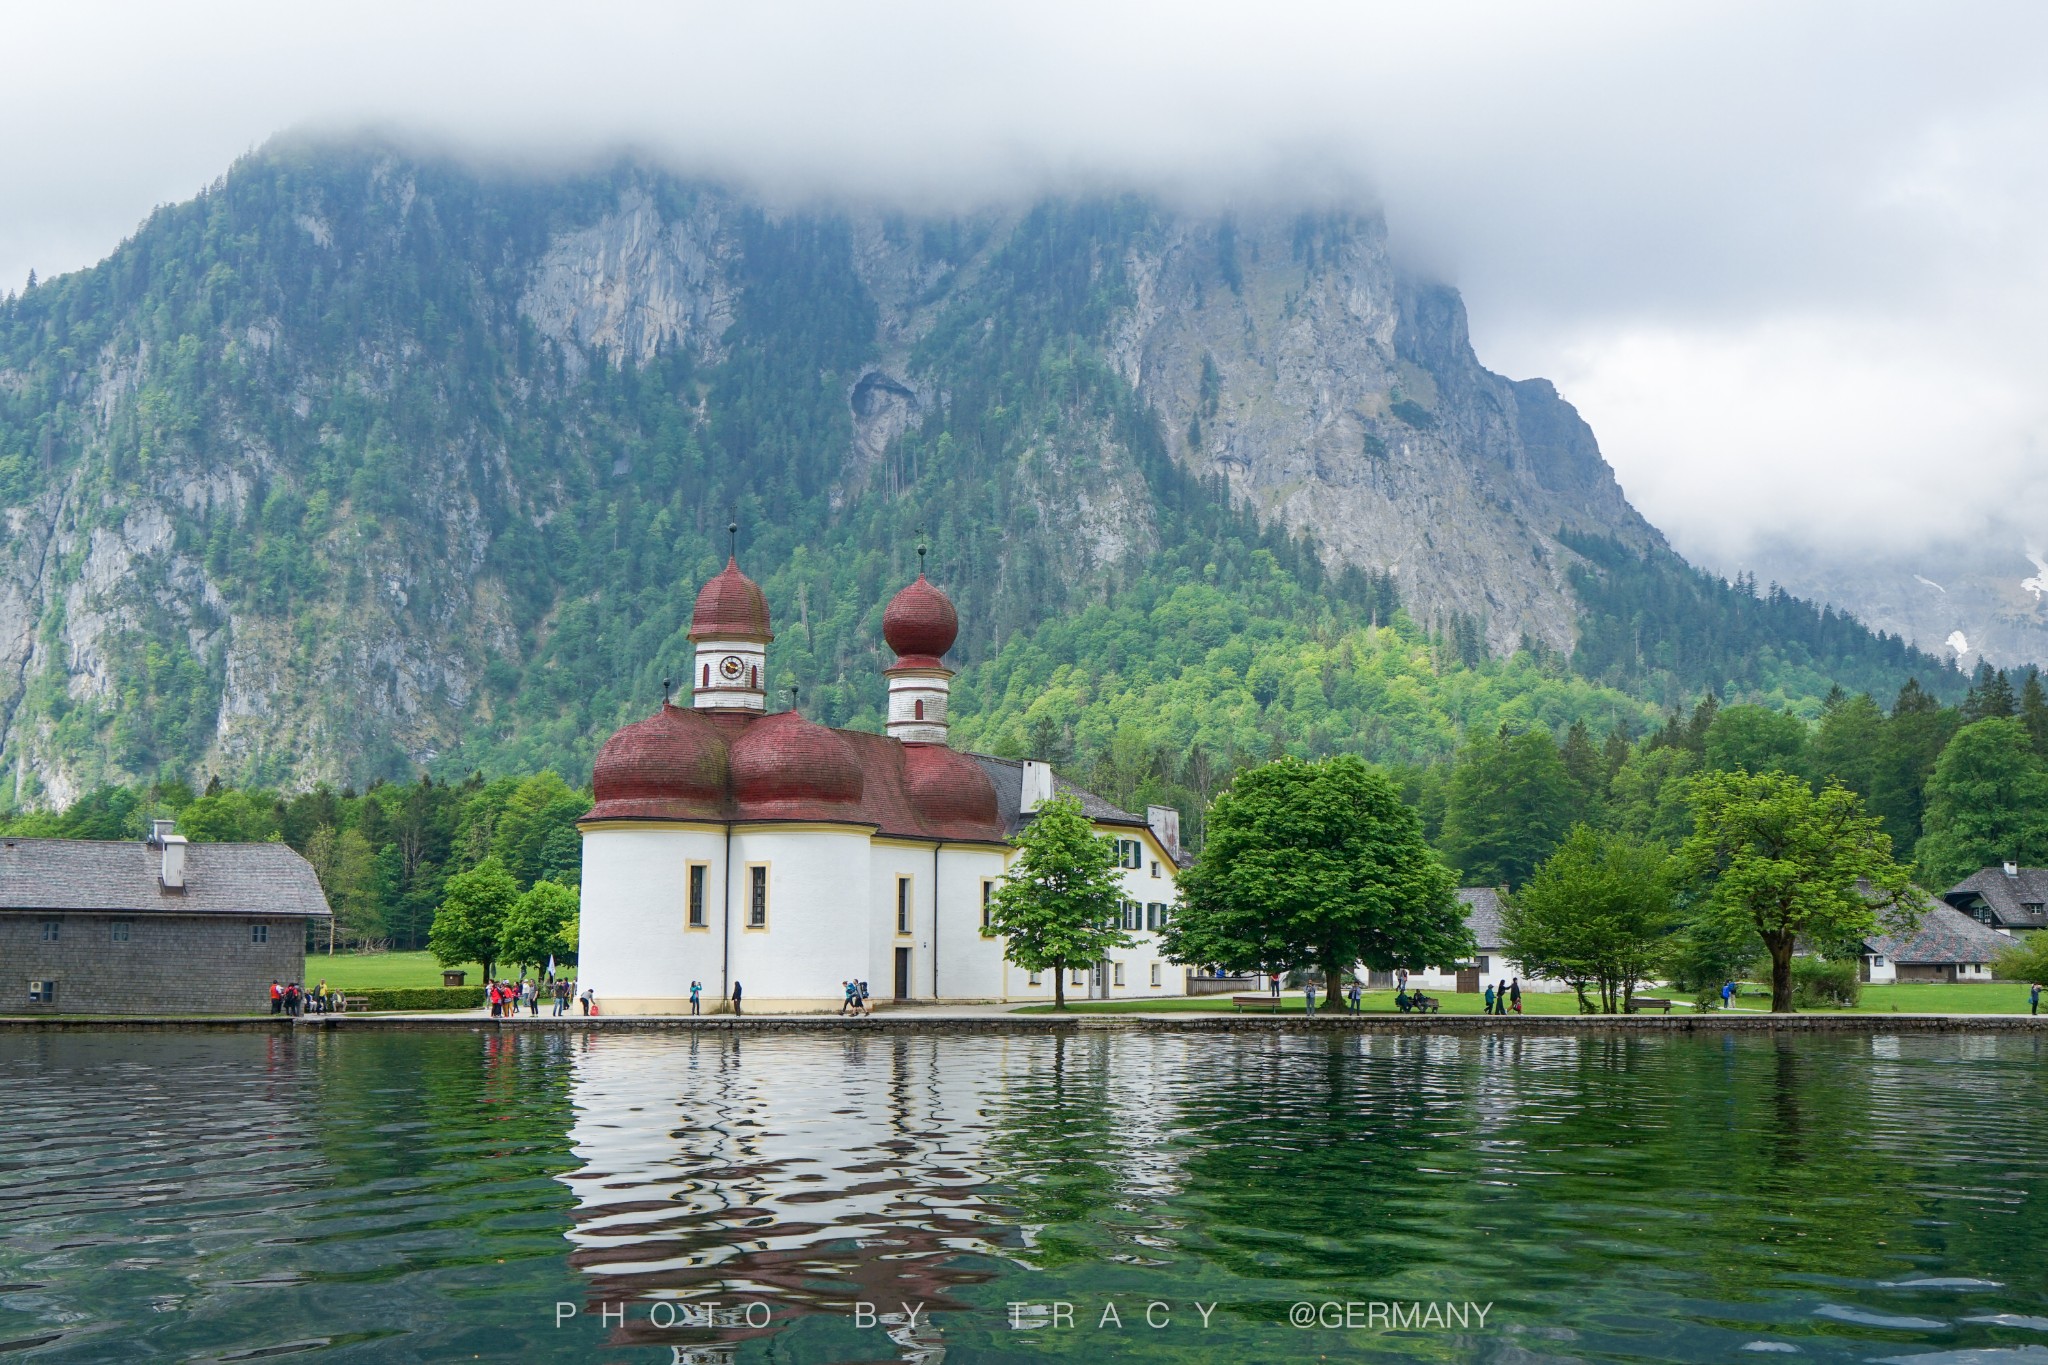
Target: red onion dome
x,y
786,764
671,764
920,624
947,788
730,606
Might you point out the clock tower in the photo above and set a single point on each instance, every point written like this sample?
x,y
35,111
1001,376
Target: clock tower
x,y
730,628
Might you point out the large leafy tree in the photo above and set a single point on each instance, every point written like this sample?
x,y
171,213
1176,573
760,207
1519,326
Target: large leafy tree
x,y
1795,864
1060,906
1987,801
1597,913
1316,864
539,926
1755,739
472,915
1508,804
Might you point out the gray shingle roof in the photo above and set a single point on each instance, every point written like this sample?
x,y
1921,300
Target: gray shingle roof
x,y
89,874
1482,915
1946,935
2018,902
1008,776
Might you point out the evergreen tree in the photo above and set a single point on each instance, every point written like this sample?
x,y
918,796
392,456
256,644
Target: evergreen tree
x,y
1986,802
2033,710
1990,696
1588,769
1845,745
1908,745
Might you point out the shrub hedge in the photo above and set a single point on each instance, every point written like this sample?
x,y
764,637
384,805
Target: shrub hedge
x,y
1820,985
418,998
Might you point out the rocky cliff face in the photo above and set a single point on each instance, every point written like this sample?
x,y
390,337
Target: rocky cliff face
x,y
285,515
1292,357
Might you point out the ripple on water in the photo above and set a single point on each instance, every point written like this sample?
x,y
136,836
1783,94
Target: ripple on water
x,y
436,1196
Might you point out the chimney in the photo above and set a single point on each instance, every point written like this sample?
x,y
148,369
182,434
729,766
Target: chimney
x,y
1037,786
1165,822
160,830
2012,869
174,862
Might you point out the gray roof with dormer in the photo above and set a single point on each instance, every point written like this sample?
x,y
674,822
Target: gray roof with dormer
x,y
103,875
2018,901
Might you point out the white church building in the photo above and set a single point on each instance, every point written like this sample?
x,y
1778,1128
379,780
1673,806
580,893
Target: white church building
x,y
731,844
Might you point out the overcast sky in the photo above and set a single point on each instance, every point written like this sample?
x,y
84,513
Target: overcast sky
x,y
1789,260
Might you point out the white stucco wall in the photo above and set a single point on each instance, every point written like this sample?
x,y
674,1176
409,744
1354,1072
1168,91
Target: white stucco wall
x,y
831,916
633,941
818,914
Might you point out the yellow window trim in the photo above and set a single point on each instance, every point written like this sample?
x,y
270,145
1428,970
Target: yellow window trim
x,y
747,924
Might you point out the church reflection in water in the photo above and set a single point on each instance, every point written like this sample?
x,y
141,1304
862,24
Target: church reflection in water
x,y
721,1172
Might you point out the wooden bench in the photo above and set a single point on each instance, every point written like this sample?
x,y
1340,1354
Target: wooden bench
x,y
1427,1004
1648,1002
1257,1002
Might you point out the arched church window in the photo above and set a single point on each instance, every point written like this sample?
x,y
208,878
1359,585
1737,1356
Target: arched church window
x,y
920,708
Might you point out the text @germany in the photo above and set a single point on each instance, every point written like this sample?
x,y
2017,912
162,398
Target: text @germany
x,y
1367,1315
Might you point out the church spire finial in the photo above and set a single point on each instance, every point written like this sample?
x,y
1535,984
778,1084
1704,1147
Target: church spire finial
x,y
732,540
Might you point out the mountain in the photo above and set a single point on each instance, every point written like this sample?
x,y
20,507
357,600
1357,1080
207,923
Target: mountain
x,y
364,461
1975,600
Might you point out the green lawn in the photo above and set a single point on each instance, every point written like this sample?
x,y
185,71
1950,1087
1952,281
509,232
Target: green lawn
x,y
1997,997
1372,1002
380,971
1935,997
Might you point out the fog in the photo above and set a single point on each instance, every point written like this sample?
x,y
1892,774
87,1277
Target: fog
x,y
1786,259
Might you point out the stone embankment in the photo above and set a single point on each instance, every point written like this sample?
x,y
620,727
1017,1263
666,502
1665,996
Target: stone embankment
x,y
942,1021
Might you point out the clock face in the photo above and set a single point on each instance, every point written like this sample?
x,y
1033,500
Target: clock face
x,y
731,667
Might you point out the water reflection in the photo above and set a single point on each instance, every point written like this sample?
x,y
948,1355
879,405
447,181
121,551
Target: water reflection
x,y
1613,1191
383,1196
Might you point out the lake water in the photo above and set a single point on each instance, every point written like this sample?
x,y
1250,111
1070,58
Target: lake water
x,y
439,1196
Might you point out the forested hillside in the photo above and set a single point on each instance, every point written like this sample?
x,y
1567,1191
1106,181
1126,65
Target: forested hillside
x,y
363,464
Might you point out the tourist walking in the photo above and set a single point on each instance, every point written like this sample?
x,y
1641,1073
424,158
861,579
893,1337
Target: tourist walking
x,y
735,997
1500,998
1354,992
1515,993
861,997
1311,1000
277,997
1727,994
696,997
850,1004
2034,999
1486,1006
533,1000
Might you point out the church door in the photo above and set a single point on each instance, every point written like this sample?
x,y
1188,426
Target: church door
x,y
903,973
